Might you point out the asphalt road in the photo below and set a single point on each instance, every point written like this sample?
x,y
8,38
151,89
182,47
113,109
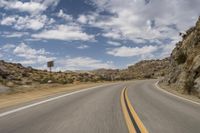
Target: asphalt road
x,y
99,111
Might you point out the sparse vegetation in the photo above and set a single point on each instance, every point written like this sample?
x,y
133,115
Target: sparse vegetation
x,y
189,84
181,57
15,75
185,63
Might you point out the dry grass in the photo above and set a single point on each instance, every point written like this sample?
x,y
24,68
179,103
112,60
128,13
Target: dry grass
x,y
7,100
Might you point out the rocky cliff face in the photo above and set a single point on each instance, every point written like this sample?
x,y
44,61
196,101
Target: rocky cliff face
x,y
184,72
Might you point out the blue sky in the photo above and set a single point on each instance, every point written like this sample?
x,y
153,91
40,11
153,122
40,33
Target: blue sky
x,y
91,34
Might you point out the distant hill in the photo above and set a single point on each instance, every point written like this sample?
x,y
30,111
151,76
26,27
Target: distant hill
x,y
149,68
13,75
184,72
16,75
141,70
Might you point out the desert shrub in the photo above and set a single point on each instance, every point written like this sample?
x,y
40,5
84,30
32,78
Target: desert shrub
x,y
63,80
84,79
44,80
189,84
181,58
162,74
69,81
148,76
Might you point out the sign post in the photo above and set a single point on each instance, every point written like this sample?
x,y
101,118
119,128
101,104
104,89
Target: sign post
x,y
50,64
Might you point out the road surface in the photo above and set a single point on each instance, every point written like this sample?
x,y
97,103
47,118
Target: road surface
x,y
99,110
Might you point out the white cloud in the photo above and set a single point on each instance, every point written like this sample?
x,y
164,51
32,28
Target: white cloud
x,y
112,35
83,63
66,17
139,41
14,34
24,50
82,19
114,43
83,47
8,20
166,49
153,20
48,3
65,33
132,51
31,56
7,47
34,22
31,7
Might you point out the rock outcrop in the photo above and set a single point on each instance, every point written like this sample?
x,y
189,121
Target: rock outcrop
x,y
184,72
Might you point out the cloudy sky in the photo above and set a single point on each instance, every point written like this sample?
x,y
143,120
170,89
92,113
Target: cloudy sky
x,y
91,34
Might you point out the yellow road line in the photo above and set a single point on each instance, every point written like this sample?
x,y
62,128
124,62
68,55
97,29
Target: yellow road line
x,y
134,114
126,115
131,117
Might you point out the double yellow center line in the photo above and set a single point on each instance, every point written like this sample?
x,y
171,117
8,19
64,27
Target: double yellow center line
x,y
133,122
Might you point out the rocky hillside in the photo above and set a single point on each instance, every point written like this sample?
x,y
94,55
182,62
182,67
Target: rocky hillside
x,y
141,70
13,75
185,63
107,74
149,68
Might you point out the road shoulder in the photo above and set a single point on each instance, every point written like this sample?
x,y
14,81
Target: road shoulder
x,y
180,95
7,100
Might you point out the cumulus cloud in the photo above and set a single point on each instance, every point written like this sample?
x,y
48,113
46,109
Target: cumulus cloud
x,y
82,19
35,22
150,20
65,16
132,51
37,58
8,20
65,33
32,7
165,50
31,56
83,63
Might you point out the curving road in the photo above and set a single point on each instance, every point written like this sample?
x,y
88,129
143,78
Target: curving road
x,y
99,111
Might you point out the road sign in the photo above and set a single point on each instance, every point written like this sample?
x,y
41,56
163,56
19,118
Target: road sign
x,y
50,64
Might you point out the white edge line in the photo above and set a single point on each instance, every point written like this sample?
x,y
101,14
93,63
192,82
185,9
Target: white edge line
x,y
45,101
156,84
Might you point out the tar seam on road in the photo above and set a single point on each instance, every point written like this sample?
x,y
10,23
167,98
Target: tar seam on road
x,y
134,124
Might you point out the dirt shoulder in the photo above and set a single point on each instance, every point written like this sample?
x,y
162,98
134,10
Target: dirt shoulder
x,y
7,100
178,92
